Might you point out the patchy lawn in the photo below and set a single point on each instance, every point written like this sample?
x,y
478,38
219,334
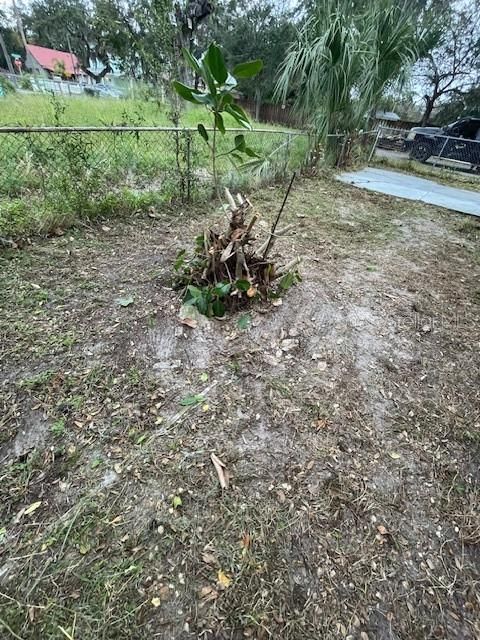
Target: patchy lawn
x,y
348,419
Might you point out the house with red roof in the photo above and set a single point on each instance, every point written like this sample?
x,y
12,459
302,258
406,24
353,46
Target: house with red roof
x,y
50,61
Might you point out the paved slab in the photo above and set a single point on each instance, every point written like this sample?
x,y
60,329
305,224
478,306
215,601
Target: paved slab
x,y
402,185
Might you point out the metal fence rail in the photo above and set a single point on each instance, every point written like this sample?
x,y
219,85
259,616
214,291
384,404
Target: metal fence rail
x,y
61,166
434,149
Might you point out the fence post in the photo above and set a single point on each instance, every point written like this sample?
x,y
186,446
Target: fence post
x,y
177,162
189,166
375,142
441,151
287,155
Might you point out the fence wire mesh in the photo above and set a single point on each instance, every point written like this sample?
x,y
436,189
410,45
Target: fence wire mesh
x,y
69,168
431,148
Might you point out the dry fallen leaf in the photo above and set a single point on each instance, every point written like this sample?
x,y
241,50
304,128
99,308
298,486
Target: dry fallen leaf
x,y
208,593
219,468
33,507
245,541
383,530
209,558
190,322
252,292
223,579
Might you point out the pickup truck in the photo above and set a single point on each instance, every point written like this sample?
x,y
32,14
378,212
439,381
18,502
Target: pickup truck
x,y
457,141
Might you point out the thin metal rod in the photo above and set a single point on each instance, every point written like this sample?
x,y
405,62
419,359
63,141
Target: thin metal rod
x,y
274,226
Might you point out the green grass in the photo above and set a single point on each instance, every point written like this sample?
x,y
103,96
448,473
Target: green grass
x,y
52,180
38,110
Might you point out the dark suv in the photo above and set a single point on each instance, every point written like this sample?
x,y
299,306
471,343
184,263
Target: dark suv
x,y
457,141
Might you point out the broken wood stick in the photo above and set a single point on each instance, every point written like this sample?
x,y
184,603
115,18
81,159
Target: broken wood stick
x,y
271,239
231,199
220,468
288,267
249,228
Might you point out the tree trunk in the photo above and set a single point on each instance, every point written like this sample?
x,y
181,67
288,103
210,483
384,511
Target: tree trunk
x,y
430,103
258,103
5,54
97,76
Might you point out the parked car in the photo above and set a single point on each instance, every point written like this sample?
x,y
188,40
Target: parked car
x,y
457,141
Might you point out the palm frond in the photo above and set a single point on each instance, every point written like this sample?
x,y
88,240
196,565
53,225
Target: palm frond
x,y
342,61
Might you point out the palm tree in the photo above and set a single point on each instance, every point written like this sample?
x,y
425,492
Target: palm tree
x,y
345,56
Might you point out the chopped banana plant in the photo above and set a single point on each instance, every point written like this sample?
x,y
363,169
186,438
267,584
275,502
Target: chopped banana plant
x,y
228,270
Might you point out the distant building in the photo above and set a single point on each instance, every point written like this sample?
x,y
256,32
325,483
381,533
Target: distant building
x,y
389,116
49,62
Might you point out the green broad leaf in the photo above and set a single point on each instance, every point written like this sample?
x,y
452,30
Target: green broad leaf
x,y
216,63
222,289
287,280
219,123
218,308
191,60
203,98
177,502
202,304
244,322
239,114
238,120
226,98
191,95
208,77
189,401
243,285
204,376
203,132
240,142
237,157
194,292
183,91
248,69
125,302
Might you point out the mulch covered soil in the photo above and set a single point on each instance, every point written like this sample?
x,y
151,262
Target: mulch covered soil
x,y
347,419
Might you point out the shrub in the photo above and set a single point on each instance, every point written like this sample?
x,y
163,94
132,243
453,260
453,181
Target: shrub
x,y
26,83
6,85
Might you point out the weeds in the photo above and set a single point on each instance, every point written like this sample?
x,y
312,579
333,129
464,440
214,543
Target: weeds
x,y
57,428
52,180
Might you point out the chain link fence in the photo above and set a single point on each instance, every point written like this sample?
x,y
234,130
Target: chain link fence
x,y
427,148
85,170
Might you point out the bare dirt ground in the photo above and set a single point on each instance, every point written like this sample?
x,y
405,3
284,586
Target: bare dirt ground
x,y
348,419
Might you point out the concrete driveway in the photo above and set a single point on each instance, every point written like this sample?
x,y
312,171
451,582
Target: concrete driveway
x,y
402,185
